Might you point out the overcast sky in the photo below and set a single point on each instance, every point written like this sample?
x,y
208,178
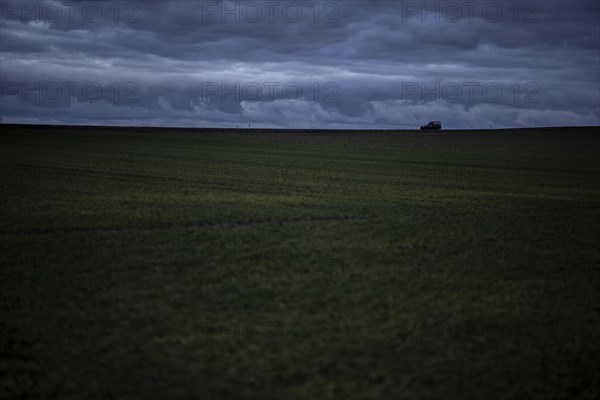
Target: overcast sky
x,y
304,64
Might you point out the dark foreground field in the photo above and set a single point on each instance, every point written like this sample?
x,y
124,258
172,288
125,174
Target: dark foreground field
x,y
179,264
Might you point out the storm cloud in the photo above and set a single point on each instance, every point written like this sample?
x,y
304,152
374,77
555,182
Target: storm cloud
x,y
301,64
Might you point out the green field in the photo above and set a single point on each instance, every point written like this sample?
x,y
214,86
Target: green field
x,y
242,264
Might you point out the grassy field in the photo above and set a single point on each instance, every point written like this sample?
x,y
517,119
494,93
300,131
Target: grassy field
x,y
179,264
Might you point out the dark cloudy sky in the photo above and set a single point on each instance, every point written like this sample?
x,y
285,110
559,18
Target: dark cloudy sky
x,y
302,64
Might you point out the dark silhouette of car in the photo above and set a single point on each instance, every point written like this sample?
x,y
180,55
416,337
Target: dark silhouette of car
x,y
433,125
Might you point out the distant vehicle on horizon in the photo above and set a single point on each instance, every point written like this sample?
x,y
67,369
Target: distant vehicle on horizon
x,y
433,125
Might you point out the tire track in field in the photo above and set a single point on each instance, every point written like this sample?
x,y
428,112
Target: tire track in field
x,y
200,180
200,225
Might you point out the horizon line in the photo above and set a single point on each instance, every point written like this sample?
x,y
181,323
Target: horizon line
x,y
153,127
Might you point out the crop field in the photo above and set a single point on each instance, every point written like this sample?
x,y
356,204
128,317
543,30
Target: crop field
x,y
140,263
